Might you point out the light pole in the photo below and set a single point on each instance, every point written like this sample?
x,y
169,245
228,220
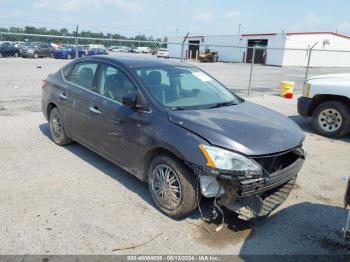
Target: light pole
x,y
239,29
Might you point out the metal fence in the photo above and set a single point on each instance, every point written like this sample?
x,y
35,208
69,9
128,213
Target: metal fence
x,y
250,71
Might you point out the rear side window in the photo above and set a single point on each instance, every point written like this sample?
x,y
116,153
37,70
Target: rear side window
x,y
83,75
114,83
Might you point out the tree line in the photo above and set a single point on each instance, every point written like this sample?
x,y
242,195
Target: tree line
x,y
87,34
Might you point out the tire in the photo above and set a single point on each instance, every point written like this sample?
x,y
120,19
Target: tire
x,y
331,119
57,131
182,178
35,55
69,56
16,54
1,55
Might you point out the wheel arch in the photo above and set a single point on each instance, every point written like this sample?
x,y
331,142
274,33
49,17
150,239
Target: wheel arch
x,y
49,107
156,151
321,98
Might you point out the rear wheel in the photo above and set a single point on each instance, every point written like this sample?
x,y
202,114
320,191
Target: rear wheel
x,y
172,186
35,55
58,133
16,54
69,56
331,119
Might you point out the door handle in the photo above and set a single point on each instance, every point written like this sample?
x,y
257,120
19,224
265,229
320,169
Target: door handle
x,y
94,110
62,96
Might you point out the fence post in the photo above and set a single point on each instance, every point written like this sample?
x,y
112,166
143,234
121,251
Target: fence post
x,y
182,47
76,43
308,61
251,71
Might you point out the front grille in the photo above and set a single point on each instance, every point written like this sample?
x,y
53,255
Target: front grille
x,y
274,163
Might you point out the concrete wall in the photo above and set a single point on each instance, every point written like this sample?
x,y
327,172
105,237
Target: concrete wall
x,y
319,57
236,48
175,49
231,53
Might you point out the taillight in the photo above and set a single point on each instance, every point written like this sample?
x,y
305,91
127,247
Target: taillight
x,y
44,83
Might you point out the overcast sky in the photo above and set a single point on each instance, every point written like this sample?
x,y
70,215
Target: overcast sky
x,y
166,17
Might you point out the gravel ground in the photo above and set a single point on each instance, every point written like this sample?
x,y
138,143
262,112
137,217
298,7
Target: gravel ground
x,y
68,200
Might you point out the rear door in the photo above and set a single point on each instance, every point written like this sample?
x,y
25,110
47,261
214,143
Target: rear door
x,y
82,79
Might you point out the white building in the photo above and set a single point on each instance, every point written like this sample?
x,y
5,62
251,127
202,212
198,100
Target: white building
x,y
285,49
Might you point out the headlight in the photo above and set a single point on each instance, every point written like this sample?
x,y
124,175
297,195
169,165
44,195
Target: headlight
x,y
224,159
306,89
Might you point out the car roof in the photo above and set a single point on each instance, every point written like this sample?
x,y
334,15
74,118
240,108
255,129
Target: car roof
x,y
134,62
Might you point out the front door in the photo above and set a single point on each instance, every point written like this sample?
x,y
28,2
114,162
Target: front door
x,y
119,129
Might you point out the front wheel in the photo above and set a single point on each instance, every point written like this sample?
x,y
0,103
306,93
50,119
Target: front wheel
x,y
69,56
331,119
172,186
58,133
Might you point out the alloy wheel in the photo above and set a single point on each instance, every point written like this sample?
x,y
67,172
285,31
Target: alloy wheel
x,y
57,128
166,186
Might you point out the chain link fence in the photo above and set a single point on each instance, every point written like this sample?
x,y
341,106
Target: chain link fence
x,y
27,59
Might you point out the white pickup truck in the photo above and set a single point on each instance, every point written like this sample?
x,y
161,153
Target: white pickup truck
x,y
326,99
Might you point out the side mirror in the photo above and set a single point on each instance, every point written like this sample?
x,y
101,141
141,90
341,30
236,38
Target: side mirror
x,y
130,100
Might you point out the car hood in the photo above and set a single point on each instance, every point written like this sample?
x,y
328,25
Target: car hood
x,y
247,128
338,76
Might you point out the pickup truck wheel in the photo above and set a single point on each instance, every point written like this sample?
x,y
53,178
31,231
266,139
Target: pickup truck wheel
x,y
172,186
58,133
331,119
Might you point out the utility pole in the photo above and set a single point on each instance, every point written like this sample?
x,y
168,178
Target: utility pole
x,y
239,29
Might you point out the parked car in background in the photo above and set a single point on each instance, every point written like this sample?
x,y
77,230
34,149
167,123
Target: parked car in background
x,y
97,51
142,49
7,49
153,51
122,49
132,50
326,99
37,49
178,129
68,52
23,45
163,52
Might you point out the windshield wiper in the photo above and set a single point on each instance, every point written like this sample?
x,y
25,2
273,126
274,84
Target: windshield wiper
x,y
230,103
176,108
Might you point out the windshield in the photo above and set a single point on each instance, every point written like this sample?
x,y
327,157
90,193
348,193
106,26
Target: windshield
x,y
65,48
185,88
33,45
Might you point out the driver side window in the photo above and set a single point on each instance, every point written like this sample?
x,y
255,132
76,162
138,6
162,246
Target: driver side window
x,y
114,83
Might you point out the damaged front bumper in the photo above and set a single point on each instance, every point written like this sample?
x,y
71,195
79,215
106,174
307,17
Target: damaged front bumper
x,y
254,196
